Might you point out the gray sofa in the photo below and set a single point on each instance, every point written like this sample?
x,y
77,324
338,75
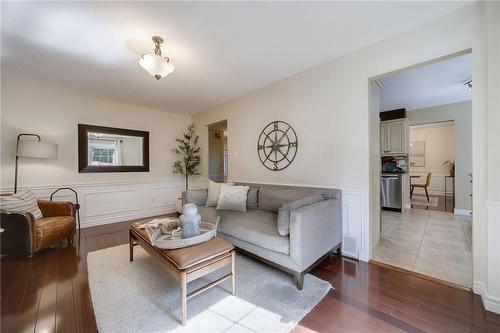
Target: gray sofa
x,y
315,230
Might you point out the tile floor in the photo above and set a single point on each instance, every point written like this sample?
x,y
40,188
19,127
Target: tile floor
x,y
433,243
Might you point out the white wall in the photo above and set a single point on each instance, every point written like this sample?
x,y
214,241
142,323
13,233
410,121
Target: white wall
x,y
54,113
490,237
439,140
328,107
461,114
439,144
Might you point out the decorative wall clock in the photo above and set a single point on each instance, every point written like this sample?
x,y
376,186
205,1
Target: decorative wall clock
x,y
277,145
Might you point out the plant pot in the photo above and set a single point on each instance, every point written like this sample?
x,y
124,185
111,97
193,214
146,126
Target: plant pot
x,y
178,205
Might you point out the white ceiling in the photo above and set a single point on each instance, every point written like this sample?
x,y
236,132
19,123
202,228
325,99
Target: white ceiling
x,y
221,50
426,86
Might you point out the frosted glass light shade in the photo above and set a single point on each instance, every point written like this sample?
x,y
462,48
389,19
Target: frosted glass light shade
x,y
36,149
156,65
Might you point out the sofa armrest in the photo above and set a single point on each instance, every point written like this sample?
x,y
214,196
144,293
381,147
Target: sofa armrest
x,y
198,197
56,208
315,230
18,236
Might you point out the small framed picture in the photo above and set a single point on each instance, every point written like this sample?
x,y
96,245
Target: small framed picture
x,y
417,153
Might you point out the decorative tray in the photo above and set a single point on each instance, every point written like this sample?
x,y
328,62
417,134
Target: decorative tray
x,y
172,239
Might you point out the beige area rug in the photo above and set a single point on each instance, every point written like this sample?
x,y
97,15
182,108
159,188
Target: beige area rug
x,y
421,200
140,296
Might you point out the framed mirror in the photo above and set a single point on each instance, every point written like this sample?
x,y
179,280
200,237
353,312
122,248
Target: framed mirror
x,y
108,149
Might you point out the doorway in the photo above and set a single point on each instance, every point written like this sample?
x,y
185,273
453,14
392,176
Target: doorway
x,y
217,152
432,234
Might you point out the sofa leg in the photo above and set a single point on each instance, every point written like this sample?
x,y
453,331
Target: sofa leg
x,y
70,239
299,279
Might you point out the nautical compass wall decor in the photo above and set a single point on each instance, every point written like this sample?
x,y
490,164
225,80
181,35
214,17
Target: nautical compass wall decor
x,y
277,145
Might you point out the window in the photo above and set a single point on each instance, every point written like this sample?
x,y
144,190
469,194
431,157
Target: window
x,y
102,156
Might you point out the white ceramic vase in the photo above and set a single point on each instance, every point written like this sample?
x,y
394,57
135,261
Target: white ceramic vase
x,y
190,221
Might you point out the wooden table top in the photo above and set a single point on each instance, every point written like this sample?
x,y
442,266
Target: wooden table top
x,y
188,256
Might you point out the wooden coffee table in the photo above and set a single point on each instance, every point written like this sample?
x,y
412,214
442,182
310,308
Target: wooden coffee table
x,y
190,263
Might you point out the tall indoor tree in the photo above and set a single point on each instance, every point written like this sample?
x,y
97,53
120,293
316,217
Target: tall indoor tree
x,y
187,148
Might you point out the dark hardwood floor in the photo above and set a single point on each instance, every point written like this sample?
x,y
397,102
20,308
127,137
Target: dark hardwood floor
x,y
50,294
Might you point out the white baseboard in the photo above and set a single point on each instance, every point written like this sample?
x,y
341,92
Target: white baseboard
x,y
478,288
363,257
490,303
464,212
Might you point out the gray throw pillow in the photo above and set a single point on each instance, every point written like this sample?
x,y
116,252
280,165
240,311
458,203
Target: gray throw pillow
x,y
213,193
284,211
233,198
252,197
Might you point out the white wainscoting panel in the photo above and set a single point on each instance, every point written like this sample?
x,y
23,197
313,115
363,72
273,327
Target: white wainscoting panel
x,y
490,291
355,227
103,203
110,202
158,196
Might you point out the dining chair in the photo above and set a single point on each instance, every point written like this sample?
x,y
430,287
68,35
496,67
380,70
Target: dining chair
x,y
424,186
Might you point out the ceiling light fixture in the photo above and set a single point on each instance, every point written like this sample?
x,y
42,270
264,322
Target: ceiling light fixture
x,y
155,64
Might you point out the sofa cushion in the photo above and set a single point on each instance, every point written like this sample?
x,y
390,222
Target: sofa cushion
x,y
252,197
331,193
272,198
233,198
198,197
208,214
284,211
255,226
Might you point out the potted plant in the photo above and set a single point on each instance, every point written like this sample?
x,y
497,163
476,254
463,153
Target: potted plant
x,y
451,167
187,148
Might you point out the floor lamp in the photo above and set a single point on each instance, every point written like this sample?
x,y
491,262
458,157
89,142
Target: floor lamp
x,y
33,149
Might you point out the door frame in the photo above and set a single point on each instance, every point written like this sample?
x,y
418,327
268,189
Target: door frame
x,y
221,126
374,156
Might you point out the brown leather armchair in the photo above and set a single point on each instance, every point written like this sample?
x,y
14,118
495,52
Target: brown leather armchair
x,y
22,234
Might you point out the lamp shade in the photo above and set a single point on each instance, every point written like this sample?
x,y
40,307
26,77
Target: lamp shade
x,y
36,149
156,65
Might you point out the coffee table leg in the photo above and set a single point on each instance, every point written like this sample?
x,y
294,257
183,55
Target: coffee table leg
x,y
183,285
233,271
131,246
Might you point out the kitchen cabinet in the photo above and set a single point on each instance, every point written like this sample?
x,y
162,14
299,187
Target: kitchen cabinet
x,y
393,137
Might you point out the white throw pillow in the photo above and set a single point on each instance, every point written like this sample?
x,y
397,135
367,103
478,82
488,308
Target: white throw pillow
x,y
24,201
213,193
233,198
